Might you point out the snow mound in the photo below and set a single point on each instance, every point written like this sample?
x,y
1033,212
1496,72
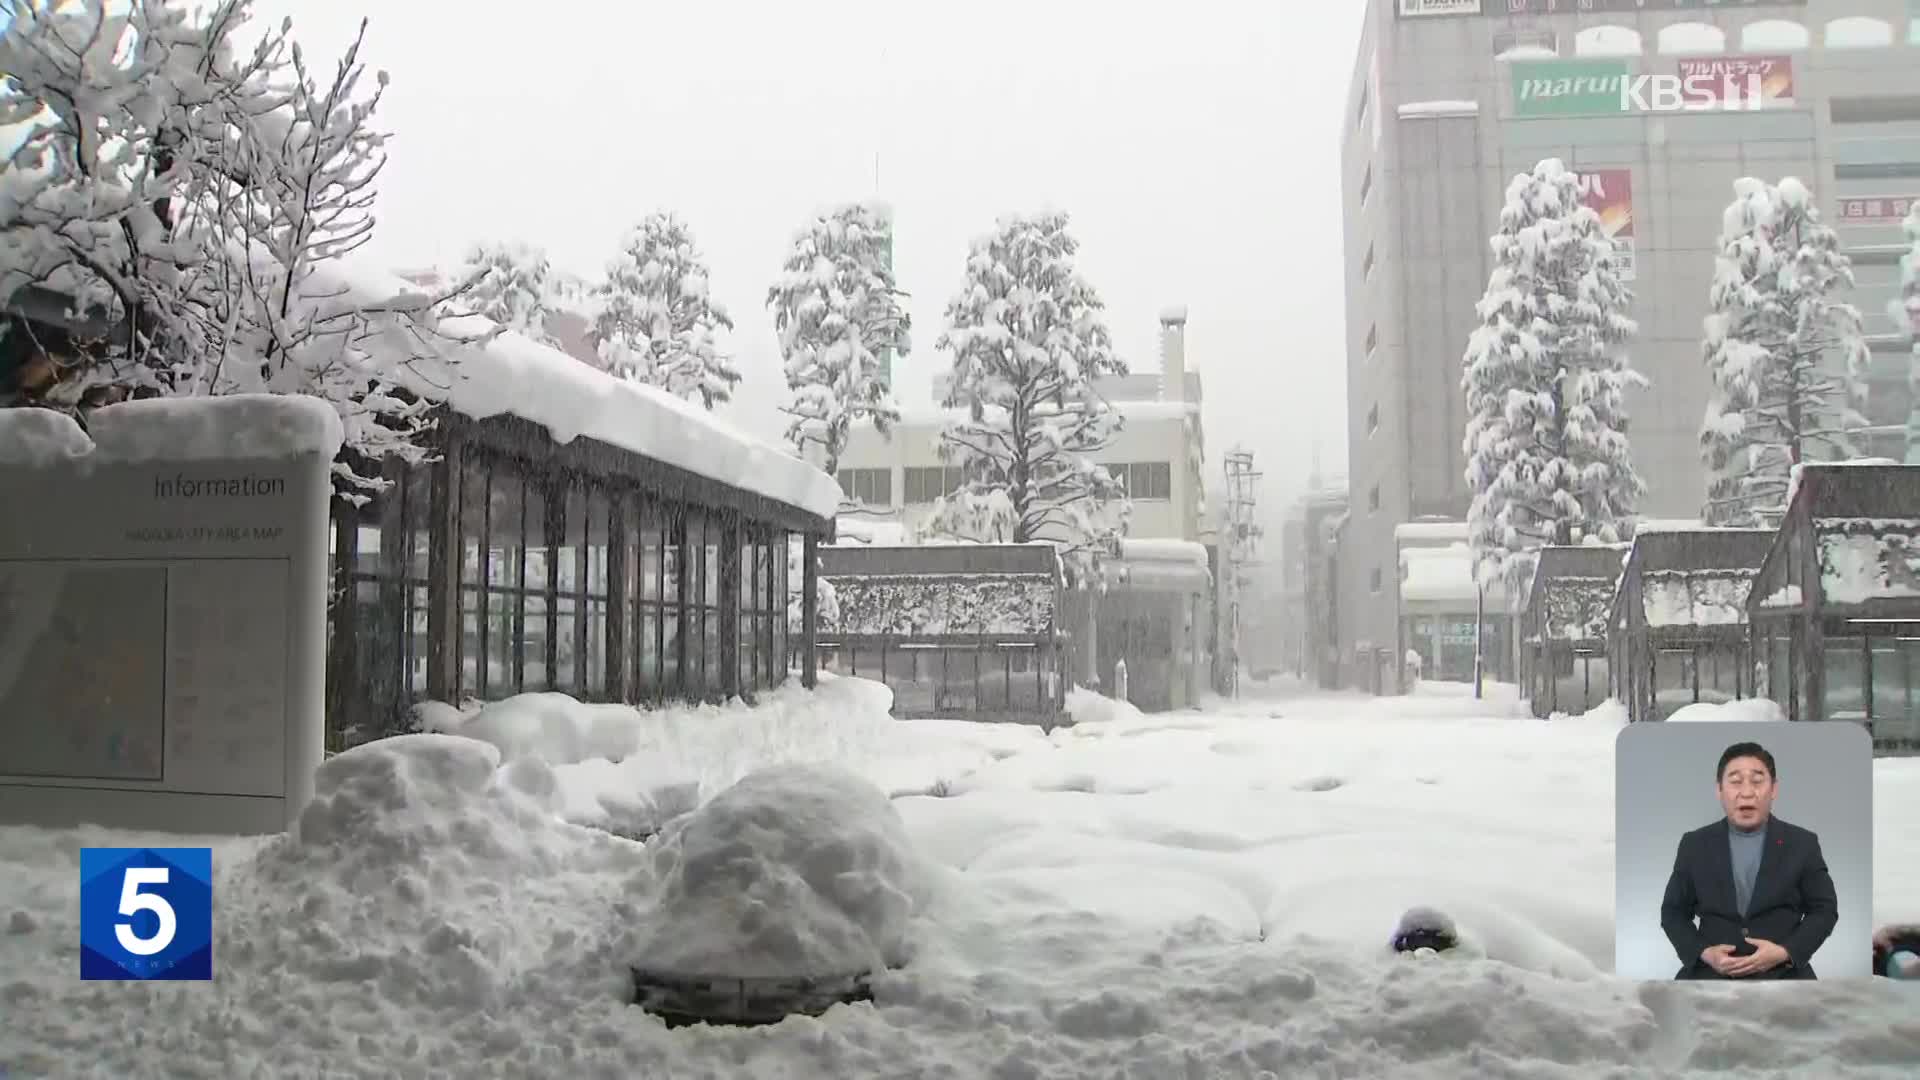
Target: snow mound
x,y
1611,713
796,870
1749,710
1085,706
551,727
630,770
424,869
384,805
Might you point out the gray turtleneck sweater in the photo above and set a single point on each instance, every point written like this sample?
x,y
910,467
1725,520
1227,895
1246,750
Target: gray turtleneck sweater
x,y
1747,847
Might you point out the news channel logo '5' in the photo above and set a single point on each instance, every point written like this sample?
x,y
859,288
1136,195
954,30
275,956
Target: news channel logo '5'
x,y
146,913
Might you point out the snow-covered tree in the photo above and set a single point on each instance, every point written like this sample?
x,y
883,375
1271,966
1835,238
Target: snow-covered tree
x,y
656,322
1905,310
188,195
514,285
1028,339
1546,379
1771,340
839,316
826,600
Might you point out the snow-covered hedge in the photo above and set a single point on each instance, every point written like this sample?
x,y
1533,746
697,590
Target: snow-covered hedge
x,y
923,605
1696,597
1578,607
1865,559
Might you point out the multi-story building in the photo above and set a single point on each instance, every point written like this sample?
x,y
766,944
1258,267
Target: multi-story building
x,y
1451,98
1159,451
1310,574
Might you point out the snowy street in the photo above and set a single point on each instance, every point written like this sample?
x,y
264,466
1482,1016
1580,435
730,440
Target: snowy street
x,y
1201,894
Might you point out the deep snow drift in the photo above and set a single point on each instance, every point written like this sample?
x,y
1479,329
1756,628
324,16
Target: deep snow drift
x,y
1189,894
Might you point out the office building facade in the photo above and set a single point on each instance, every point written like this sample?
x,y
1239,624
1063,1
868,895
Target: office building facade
x,y
1449,99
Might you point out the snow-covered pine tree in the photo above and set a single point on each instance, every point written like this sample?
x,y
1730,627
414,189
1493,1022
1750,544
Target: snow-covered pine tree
x,y
1028,340
1546,378
184,193
513,284
1905,310
839,315
656,321
1771,336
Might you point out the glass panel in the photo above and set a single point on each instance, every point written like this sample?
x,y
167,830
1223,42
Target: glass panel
x,y
597,510
1672,681
539,581
647,587
505,575
1846,672
419,506
416,658
673,588
780,554
570,627
1896,691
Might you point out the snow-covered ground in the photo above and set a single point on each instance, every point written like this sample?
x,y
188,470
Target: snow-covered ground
x,y
1200,894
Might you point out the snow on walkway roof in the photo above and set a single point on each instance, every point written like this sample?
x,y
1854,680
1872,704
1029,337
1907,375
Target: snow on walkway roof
x,y
516,376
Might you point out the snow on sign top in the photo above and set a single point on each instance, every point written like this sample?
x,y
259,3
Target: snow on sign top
x,y
1415,109
516,376
229,428
1163,550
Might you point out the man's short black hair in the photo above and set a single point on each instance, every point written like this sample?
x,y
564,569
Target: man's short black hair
x,y
1745,749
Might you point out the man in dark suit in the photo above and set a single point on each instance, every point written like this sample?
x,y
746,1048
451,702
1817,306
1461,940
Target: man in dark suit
x,y
1750,896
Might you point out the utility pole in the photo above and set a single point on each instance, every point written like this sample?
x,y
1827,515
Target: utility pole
x,y
1243,540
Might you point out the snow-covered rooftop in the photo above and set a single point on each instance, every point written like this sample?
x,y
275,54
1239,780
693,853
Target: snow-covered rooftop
x,y
513,375
1438,574
1430,531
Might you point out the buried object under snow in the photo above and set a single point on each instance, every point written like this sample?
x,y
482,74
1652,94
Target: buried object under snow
x,y
1901,958
681,1000
1424,928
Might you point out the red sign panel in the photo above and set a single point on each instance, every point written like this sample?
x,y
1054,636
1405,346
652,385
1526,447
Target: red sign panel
x,y
1876,209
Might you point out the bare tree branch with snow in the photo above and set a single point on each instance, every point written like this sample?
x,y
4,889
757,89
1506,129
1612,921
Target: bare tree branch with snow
x,y
657,322
839,317
186,193
1028,338
1777,398
1546,379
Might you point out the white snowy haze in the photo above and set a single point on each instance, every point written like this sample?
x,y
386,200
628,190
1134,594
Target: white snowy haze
x,y
1196,147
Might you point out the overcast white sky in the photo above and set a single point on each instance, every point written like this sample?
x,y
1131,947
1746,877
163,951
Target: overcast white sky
x,y
1195,144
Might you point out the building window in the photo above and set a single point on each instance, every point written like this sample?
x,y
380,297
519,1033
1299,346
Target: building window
x,y
868,487
1366,185
1374,578
1875,110
1373,339
1145,480
1373,498
1879,170
1373,419
924,485
1366,264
